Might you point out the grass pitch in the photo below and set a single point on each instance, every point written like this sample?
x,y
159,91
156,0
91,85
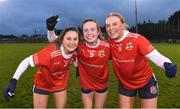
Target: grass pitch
x,y
12,54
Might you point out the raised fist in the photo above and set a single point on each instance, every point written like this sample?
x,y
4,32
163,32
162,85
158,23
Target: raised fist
x,y
51,22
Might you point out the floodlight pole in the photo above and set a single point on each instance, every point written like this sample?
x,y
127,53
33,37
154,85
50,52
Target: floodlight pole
x,y
136,16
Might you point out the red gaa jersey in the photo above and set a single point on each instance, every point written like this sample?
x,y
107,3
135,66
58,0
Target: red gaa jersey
x,y
93,65
129,62
53,73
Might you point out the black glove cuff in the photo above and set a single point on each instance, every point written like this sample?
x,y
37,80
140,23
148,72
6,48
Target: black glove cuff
x,y
50,27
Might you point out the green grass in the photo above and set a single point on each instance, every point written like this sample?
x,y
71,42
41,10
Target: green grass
x,y
12,54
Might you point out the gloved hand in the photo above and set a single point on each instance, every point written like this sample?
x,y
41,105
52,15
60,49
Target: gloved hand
x,y
77,72
8,91
51,22
170,69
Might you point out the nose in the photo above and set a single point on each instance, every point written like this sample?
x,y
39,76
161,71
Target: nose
x,y
88,32
110,27
73,42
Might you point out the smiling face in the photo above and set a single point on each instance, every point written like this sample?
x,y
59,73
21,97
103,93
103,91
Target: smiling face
x,y
90,32
70,41
114,27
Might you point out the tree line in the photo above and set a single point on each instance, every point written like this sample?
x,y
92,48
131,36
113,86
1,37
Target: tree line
x,y
164,29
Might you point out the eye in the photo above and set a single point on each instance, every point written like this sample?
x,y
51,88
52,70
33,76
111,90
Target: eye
x,y
93,29
68,38
85,30
114,24
75,39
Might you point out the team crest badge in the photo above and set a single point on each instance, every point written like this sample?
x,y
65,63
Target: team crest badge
x,y
129,46
153,89
101,53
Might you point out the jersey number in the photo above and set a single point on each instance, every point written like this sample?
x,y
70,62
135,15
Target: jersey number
x,y
91,54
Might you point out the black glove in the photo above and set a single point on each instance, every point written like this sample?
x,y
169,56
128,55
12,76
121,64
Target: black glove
x,y
51,22
170,69
77,72
8,91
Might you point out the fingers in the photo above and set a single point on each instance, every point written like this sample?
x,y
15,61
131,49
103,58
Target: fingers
x,y
53,18
56,16
170,69
11,94
7,94
6,97
51,22
57,19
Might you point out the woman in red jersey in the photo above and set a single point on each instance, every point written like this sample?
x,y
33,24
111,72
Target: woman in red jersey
x,y
130,52
52,76
93,54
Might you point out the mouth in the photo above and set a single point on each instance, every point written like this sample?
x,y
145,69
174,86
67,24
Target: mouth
x,y
112,33
71,46
89,37
116,35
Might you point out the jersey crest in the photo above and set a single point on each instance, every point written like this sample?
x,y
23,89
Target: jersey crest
x,y
153,90
101,53
129,46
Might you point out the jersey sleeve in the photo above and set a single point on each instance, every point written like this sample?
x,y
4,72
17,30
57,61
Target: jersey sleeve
x,y
79,50
51,36
144,46
42,58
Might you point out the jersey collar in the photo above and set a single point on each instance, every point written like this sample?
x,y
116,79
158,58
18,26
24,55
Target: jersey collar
x,y
67,56
125,33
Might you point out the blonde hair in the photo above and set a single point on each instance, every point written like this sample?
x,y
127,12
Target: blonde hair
x,y
97,25
118,15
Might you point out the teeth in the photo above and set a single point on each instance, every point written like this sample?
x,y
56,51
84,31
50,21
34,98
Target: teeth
x,y
71,46
89,37
112,32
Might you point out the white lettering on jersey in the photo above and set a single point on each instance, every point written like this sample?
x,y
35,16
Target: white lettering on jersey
x,y
124,60
91,65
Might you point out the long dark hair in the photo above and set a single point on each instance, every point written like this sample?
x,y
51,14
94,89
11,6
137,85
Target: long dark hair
x,y
58,40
